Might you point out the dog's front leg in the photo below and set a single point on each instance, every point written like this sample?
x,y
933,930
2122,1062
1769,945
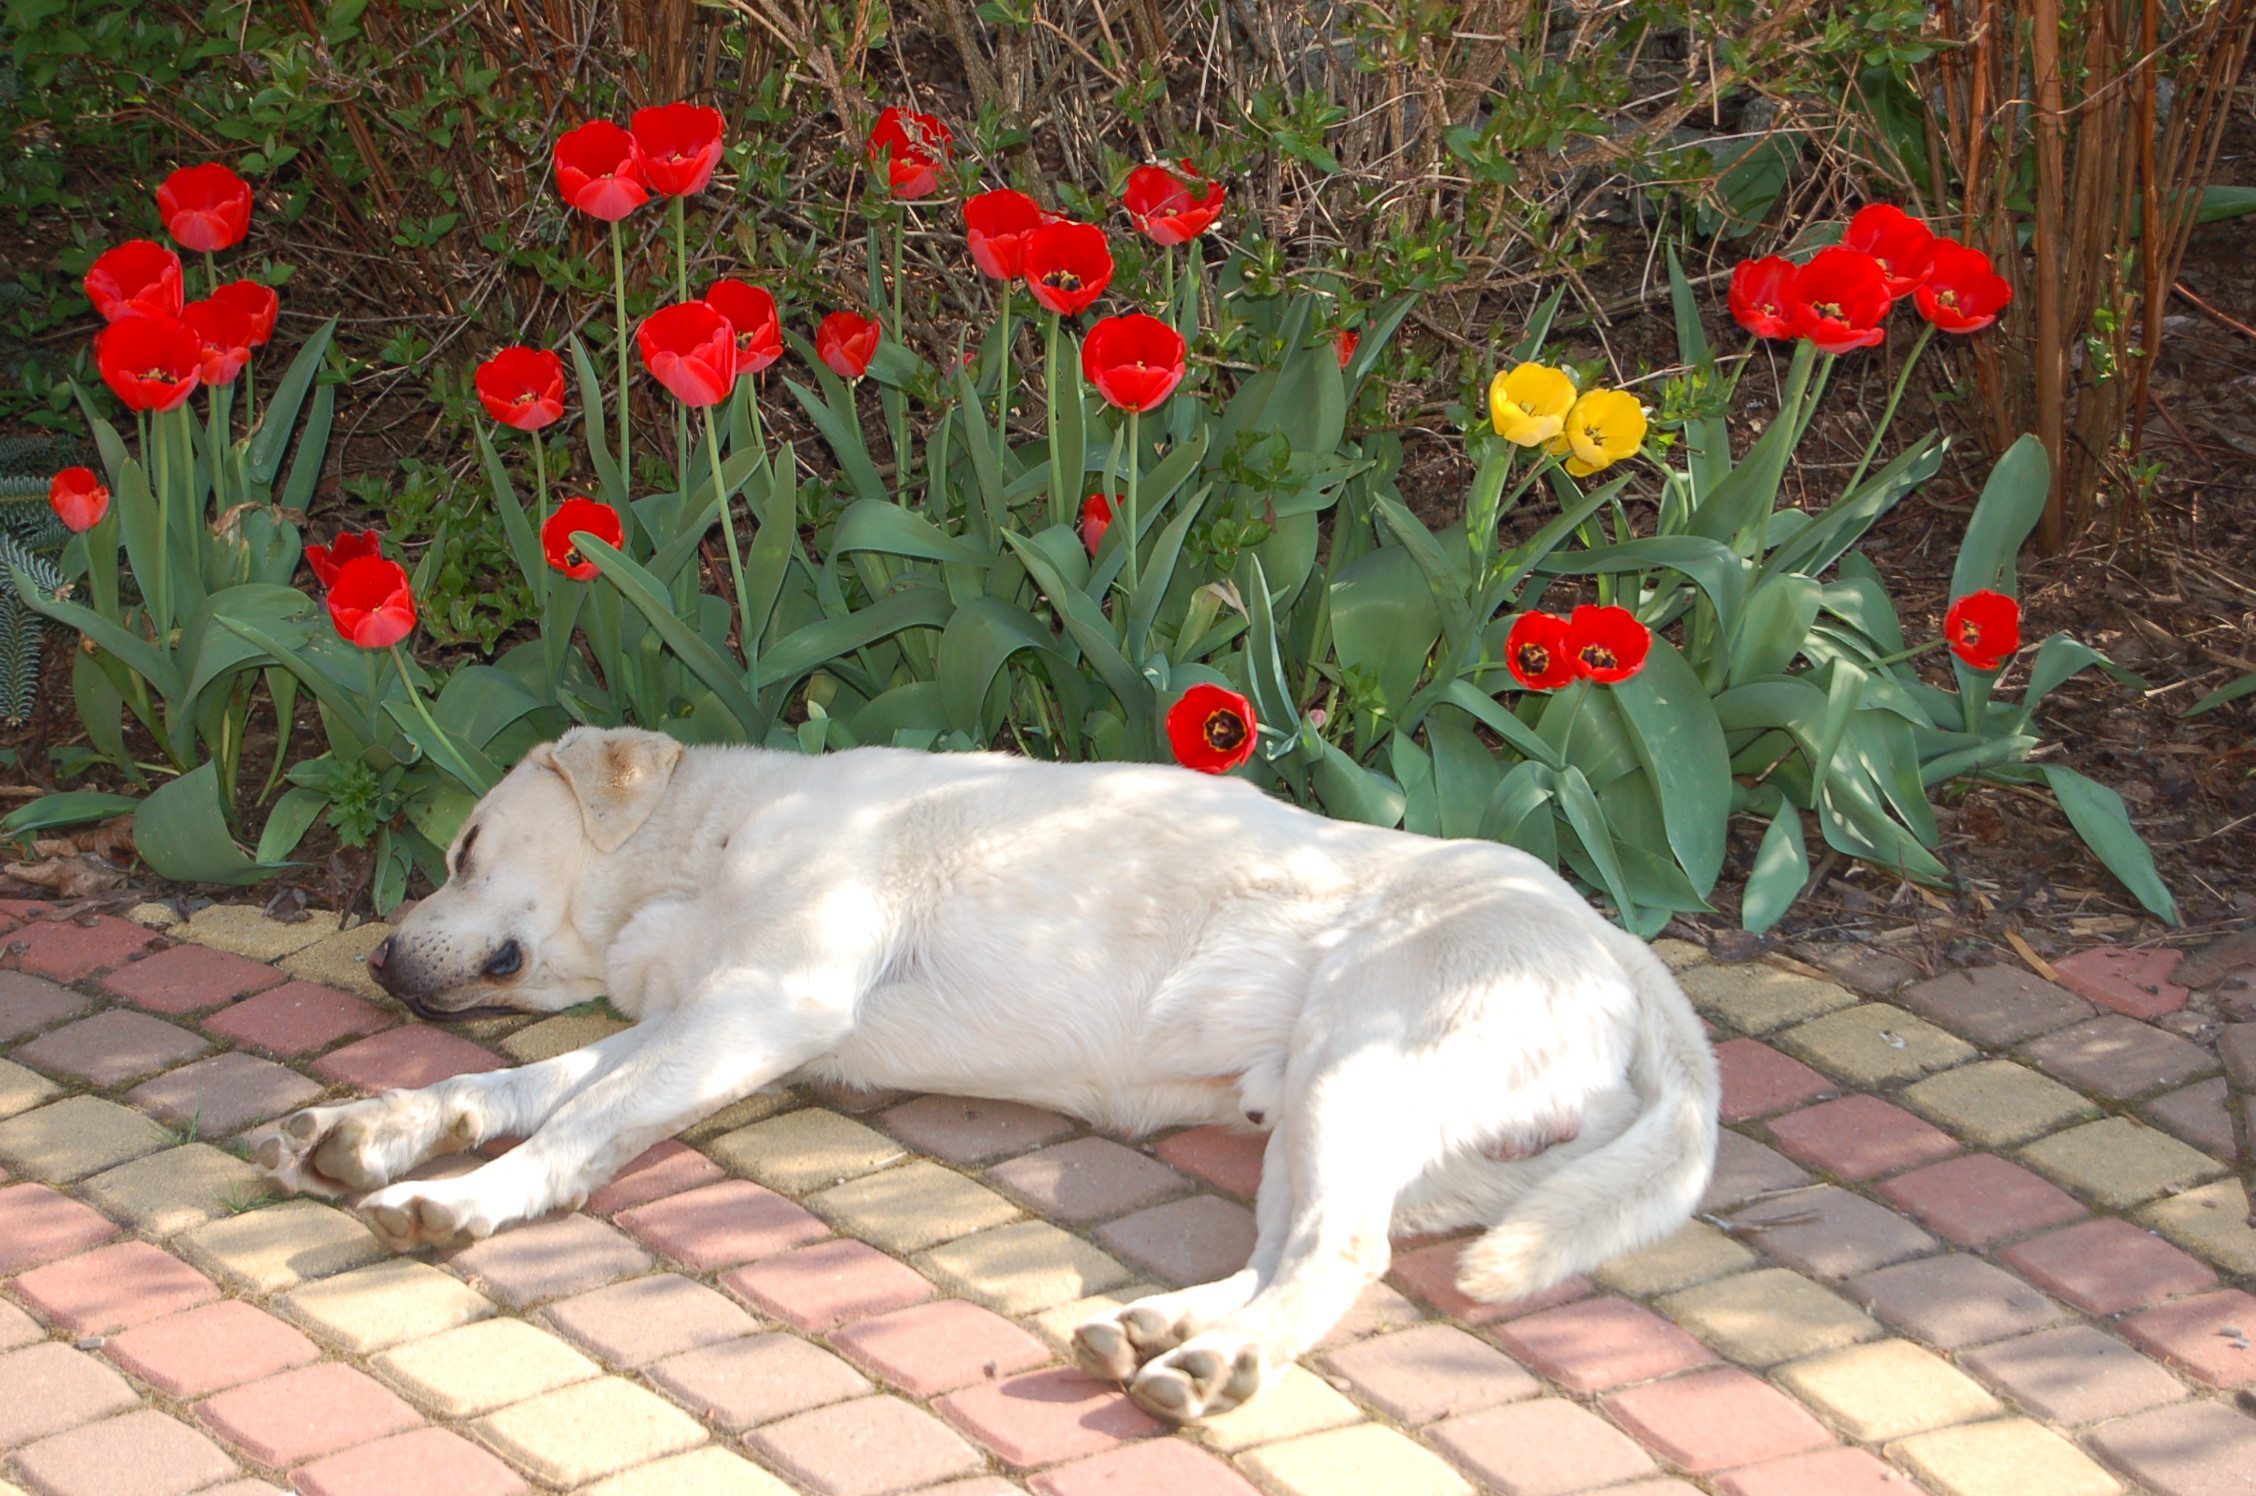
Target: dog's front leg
x,y
690,1064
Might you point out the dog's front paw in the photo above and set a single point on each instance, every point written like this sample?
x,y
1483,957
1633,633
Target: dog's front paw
x,y
329,1150
1202,1377
432,1213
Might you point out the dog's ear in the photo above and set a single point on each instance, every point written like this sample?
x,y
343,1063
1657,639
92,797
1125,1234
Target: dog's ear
x,y
617,775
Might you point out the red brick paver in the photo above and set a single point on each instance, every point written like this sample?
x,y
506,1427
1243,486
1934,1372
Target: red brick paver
x,y
202,1350
299,1018
1043,1417
111,1048
49,1387
190,978
1717,1420
2135,983
138,1454
1981,1199
965,1130
418,1055
2118,1058
426,1462
634,1324
1600,1344
2197,1113
828,1284
2213,1337
1955,1301
1829,1472
866,1447
932,1348
667,1169
2108,1266
1547,1447
1758,1080
1088,1179
1226,1157
29,1004
2073,1375
1161,1465
1184,1241
722,1225
224,1094
68,951
300,1414
113,1288
549,1259
1831,1233
38,1225
2194,1449
1860,1137
739,1383
1994,1005
1429,1372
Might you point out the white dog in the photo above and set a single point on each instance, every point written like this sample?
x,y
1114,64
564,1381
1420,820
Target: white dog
x,y
1435,1033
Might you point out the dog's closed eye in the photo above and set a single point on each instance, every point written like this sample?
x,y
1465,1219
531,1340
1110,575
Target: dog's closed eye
x,y
462,855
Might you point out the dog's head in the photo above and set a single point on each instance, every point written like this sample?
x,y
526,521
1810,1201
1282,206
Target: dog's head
x,y
503,933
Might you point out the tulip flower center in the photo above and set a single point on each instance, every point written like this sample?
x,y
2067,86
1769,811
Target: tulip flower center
x,y
1534,659
1224,731
1062,280
1947,298
156,376
1969,632
1830,310
1599,657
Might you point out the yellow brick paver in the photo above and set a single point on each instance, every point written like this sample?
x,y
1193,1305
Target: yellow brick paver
x,y
581,1433
1057,1323
277,1247
1886,1390
1996,1103
562,1034
1359,1461
2211,1221
809,1149
69,1139
1678,955
340,960
701,1472
1697,1253
1021,1268
907,1209
1756,998
1768,1316
21,1089
481,1367
1295,1403
247,931
385,1304
2009,1457
753,1108
165,1193
1875,1044
2118,1163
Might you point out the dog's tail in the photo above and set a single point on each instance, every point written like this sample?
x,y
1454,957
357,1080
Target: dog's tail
x,y
1636,1187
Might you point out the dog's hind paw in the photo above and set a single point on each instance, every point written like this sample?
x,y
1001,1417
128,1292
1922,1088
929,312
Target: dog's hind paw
x,y
427,1213
1205,1376
1113,1344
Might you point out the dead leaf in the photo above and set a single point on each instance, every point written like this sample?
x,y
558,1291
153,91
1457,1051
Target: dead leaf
x,y
78,876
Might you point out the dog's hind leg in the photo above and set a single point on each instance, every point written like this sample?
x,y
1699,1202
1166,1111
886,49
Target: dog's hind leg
x,y
1114,1343
359,1145
694,1061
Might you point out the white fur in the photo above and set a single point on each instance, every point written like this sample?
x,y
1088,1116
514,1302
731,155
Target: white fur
x,y
1413,1020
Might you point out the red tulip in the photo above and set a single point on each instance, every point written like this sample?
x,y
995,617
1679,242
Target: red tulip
x,y
371,603
257,302
1134,361
1961,293
152,363
1211,728
1840,297
751,314
1900,242
1171,208
139,278
327,560
914,147
1068,265
676,147
1345,341
205,207
1536,651
1607,644
997,225
1762,296
846,341
691,350
1096,518
1984,629
522,387
573,517
78,498
597,172
224,333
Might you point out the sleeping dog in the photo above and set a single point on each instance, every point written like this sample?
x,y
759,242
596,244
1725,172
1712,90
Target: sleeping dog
x,y
1433,1034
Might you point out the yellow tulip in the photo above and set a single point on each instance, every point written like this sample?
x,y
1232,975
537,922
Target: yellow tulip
x,y
1529,404
1604,427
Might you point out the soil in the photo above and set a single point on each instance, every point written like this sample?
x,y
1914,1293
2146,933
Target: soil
x,y
2172,599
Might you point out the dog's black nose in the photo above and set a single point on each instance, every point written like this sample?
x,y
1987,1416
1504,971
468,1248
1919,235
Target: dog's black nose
x,y
506,961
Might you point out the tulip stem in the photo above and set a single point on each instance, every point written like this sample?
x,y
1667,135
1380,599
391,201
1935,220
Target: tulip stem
x,y
456,765
619,301
1902,655
1003,393
681,252
1888,415
1135,464
1061,503
728,531
211,274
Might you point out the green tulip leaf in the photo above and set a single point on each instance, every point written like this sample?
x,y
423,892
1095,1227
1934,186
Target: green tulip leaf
x,y
1781,870
181,833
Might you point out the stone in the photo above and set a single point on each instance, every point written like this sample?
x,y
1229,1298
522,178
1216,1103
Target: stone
x,y
111,1048
1996,1103
2108,1266
2073,1375
77,1136
1875,1044
1697,1253
21,1089
222,1095
550,1258
1229,1158
1829,1233
1745,1170
865,1447
1955,1301
1994,1005
298,1018
1980,1200
47,1388
476,1368
1885,1390
969,1130
818,1288
427,1461
1197,1240
2118,1058
740,1383
633,1324
384,1304
29,1004
2133,982
1168,1465
112,1288
2007,1457
163,1194
138,1454
1544,1447
2207,1337
204,1349
561,1034
1758,1080
1430,1372
1088,1179
1715,1420
1599,1344
1758,998
277,1247
710,1471
664,1169
2211,1221
340,960
298,1415
936,1347
1356,1461
39,1225
2117,1163
1021,1268
2197,1114
808,1149
721,1225
244,930
583,1432
189,978
1768,1316
1859,1137
917,1205
2193,1449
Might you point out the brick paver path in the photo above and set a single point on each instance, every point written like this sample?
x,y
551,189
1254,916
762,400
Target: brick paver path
x,y
1974,1237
